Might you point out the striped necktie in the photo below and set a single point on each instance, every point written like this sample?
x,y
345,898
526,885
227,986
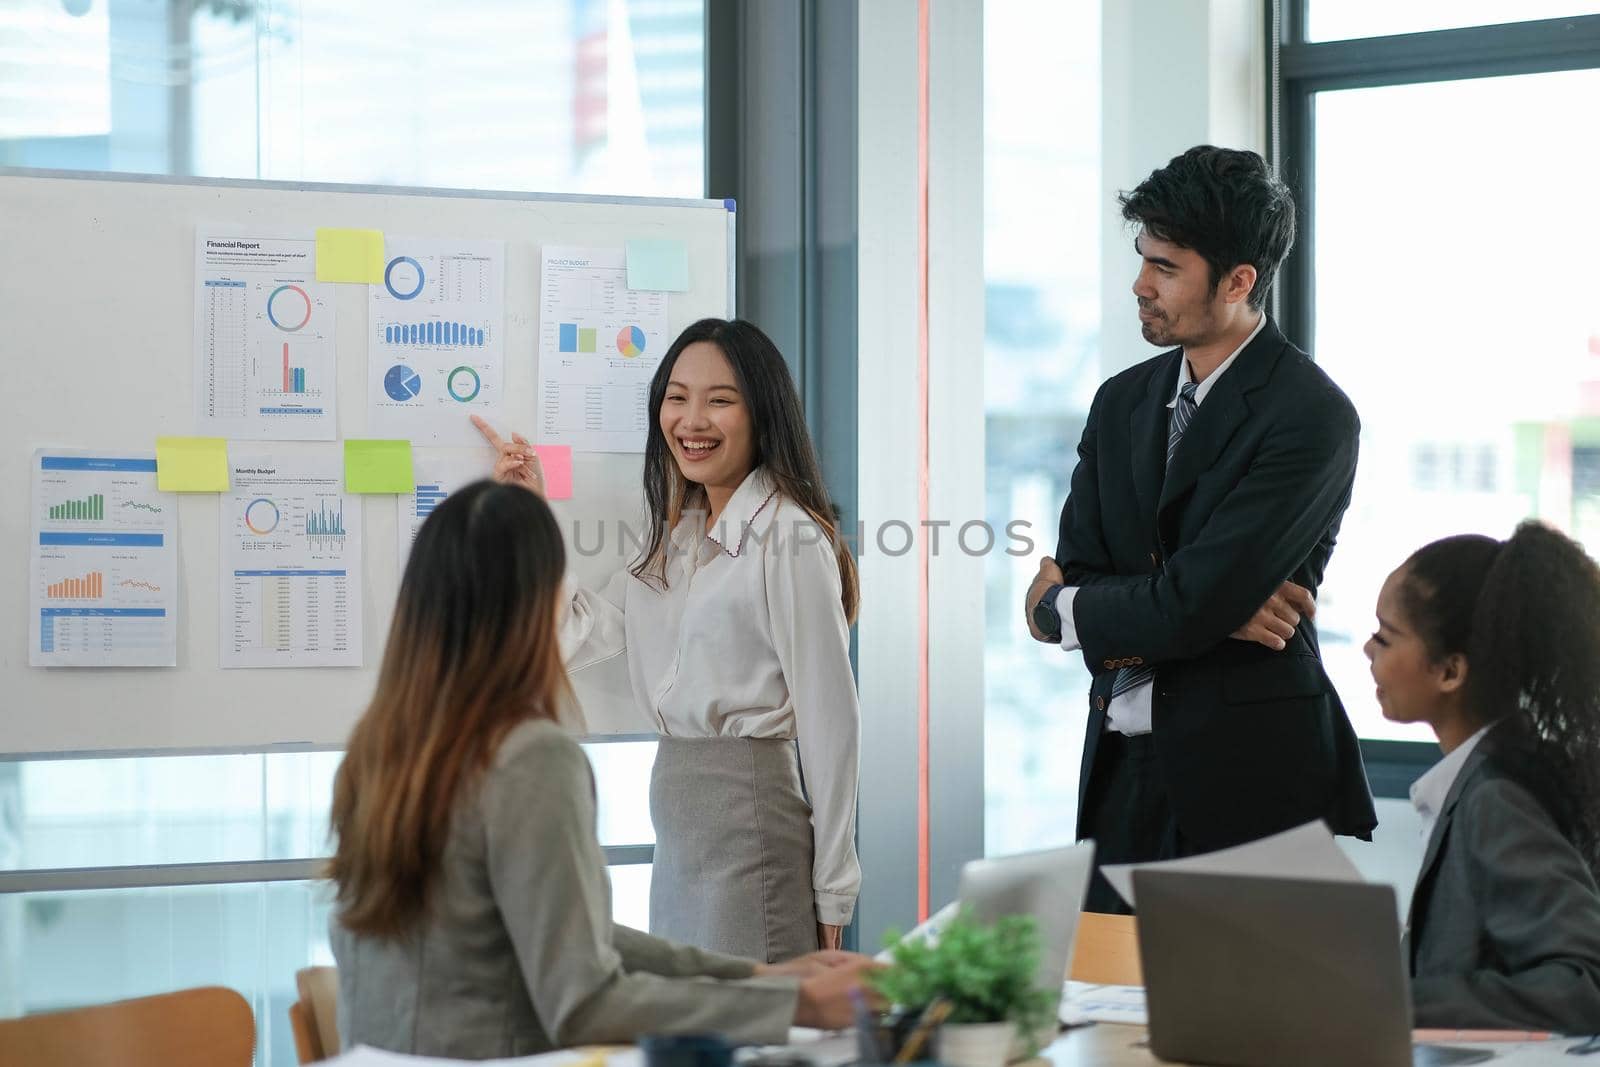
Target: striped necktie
x,y
1182,414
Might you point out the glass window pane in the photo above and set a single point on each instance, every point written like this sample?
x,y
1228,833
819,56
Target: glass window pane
x,y
1041,369
622,780
1335,20
1458,304
67,950
165,809
71,949
211,809
585,96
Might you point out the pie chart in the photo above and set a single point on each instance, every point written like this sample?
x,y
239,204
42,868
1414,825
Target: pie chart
x,y
402,383
630,342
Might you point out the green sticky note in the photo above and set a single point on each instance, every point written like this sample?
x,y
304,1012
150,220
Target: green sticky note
x,y
191,464
349,255
374,466
658,264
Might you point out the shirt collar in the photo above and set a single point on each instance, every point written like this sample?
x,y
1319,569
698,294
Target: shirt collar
x,y
1185,377
1429,792
750,508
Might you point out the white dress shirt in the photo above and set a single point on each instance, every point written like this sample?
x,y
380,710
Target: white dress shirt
x,y
1129,712
748,639
1429,792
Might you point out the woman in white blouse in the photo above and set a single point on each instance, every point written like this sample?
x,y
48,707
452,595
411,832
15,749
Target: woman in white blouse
x,y
735,621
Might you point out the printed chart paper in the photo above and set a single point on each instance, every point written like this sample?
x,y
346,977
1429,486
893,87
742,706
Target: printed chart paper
x,y
291,564
599,345
435,351
436,479
104,562
263,340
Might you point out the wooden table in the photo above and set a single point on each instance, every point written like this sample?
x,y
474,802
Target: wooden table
x,y
1097,1045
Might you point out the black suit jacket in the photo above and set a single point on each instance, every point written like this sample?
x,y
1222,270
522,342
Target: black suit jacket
x,y
1170,562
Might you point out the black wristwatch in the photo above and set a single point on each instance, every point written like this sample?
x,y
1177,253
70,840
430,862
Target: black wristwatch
x,y
1045,616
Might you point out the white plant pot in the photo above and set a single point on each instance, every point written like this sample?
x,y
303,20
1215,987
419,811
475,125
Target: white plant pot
x,y
975,1044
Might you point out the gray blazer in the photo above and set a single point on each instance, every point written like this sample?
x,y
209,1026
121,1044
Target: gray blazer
x,y
518,953
1505,920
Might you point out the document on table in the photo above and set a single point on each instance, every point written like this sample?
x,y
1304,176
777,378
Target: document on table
x,y
435,340
599,345
103,562
263,339
1084,1002
609,1056
291,563
436,479
1307,852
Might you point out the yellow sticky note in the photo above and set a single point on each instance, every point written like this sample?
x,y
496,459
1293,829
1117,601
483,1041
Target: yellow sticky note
x,y
375,466
349,255
191,464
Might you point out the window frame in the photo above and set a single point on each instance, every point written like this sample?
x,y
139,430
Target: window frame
x,y
1297,70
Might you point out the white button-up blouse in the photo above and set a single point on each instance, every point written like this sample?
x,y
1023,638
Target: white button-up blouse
x,y
748,639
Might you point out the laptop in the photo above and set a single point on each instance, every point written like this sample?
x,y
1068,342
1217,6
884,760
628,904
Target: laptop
x,y
1050,885
1247,971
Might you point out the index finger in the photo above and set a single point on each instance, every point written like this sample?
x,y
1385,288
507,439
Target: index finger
x,y
488,432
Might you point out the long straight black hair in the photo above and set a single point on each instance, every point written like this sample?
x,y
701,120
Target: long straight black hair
x,y
783,446
1526,615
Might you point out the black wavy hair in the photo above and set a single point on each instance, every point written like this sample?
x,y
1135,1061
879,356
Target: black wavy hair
x,y
1526,615
1227,204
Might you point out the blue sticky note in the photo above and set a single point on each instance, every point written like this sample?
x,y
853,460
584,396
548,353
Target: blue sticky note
x,y
658,264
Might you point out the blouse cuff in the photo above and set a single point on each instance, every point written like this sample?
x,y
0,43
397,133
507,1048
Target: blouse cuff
x,y
834,909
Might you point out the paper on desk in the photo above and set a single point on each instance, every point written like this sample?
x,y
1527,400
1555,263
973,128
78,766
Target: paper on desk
x,y
363,1056
1084,1002
927,930
1307,852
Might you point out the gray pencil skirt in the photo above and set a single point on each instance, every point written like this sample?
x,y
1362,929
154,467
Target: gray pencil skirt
x,y
733,848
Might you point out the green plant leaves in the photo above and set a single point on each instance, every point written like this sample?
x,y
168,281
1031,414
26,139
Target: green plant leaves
x,y
985,972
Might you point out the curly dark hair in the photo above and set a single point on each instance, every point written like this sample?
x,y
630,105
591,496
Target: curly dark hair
x,y
1227,204
1526,615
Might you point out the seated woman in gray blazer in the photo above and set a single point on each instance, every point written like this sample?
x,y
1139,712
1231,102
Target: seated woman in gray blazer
x,y
473,916
1496,645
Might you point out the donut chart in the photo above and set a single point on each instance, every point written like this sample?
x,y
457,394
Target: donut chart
x,y
261,516
404,278
463,384
402,383
630,342
287,304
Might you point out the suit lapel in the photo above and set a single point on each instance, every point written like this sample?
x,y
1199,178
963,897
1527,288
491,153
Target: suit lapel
x,y
1147,430
1220,415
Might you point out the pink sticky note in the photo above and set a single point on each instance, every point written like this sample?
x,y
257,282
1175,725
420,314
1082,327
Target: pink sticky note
x,y
557,463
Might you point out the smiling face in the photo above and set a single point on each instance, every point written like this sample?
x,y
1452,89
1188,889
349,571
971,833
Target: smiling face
x,y
1178,305
1412,686
706,421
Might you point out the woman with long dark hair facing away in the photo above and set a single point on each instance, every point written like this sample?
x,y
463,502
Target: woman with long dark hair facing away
x,y
735,621
1496,646
473,915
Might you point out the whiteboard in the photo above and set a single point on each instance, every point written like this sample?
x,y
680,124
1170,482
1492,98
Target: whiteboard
x,y
96,311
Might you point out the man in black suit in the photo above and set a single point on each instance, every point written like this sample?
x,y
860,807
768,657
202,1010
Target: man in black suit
x,y
1210,484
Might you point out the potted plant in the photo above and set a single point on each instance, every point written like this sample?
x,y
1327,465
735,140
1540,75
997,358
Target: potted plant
x,y
980,979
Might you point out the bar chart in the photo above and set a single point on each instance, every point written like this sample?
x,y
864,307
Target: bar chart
x,y
434,332
575,338
90,587
90,507
325,526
